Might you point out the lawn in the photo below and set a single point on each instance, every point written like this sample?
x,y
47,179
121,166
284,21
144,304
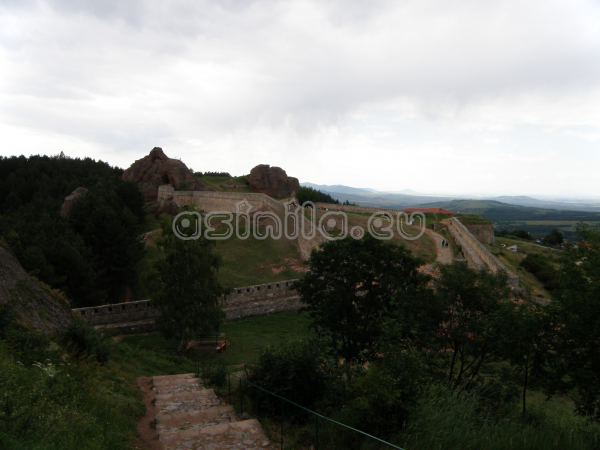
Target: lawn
x,y
245,340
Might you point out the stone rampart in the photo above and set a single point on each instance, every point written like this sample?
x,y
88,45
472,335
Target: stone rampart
x,y
484,232
210,201
483,253
471,256
245,301
356,209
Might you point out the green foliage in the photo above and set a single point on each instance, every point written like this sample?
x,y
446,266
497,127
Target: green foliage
x,y
299,372
555,237
442,419
183,185
72,254
56,402
86,341
543,269
577,308
212,174
308,194
184,284
350,287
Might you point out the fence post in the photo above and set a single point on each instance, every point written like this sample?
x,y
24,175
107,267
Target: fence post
x,y
218,389
241,397
229,379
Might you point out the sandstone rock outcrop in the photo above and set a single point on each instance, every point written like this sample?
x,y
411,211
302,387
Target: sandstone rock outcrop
x,y
272,181
70,200
35,304
158,169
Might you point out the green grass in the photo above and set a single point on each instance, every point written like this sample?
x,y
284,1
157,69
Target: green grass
x,y
216,182
513,259
252,261
245,340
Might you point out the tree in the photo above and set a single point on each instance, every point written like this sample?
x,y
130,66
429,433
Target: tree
x,y
576,311
467,303
526,342
554,238
350,287
184,285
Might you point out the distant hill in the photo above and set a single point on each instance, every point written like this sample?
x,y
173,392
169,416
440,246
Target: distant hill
x,y
536,203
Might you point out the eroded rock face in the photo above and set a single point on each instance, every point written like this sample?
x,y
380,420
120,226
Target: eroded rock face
x,y
70,200
272,181
34,303
157,169
167,207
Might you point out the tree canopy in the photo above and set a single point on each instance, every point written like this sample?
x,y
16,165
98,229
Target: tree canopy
x,y
184,285
350,287
93,254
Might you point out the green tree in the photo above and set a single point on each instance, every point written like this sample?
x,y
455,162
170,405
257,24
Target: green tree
x,y
576,311
350,287
554,238
526,342
466,307
184,284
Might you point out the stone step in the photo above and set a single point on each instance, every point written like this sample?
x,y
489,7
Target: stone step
x,y
220,414
178,402
244,435
172,386
172,377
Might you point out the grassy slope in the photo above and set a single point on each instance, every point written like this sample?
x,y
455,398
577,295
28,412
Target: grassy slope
x,y
513,259
214,183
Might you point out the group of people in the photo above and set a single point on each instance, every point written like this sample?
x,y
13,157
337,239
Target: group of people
x,y
444,243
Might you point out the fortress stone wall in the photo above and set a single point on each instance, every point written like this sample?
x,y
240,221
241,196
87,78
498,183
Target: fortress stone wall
x,y
245,301
356,209
475,253
209,201
484,232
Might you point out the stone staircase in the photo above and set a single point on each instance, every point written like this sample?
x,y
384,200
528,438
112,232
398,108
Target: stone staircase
x,y
190,417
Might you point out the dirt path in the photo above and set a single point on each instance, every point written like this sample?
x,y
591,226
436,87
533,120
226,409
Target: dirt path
x,y
146,426
443,254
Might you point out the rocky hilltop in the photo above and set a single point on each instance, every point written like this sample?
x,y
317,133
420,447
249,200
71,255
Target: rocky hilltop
x,y
71,199
272,181
158,169
35,304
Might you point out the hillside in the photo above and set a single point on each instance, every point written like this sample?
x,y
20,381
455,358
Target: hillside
x,y
537,221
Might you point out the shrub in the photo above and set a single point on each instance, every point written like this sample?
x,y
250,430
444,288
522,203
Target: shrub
x,y
298,372
85,340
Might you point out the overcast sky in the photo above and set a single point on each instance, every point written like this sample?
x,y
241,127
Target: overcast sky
x,y
436,96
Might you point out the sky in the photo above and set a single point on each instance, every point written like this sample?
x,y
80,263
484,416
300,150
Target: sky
x,y
436,96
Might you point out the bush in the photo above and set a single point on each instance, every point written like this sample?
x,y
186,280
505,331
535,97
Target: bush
x,y
85,340
298,372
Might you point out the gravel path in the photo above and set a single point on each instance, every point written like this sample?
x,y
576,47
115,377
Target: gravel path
x,y
443,254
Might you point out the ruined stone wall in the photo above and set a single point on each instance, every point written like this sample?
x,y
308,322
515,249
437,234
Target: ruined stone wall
x,y
484,254
484,232
244,301
209,201
469,253
356,209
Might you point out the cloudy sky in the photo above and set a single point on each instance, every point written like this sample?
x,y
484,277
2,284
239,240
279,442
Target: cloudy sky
x,y
436,96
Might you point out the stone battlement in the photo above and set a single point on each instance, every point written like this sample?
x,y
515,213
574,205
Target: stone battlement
x,y
244,301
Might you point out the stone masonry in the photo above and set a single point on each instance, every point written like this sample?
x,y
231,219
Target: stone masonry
x,y
475,253
245,301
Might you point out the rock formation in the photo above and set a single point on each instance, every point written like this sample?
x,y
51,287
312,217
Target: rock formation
x,y
34,303
167,206
272,181
157,169
70,200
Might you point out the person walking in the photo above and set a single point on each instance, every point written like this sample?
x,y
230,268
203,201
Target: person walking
x,y
443,242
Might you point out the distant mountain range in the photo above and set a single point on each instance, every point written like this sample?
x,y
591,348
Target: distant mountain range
x,y
409,198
